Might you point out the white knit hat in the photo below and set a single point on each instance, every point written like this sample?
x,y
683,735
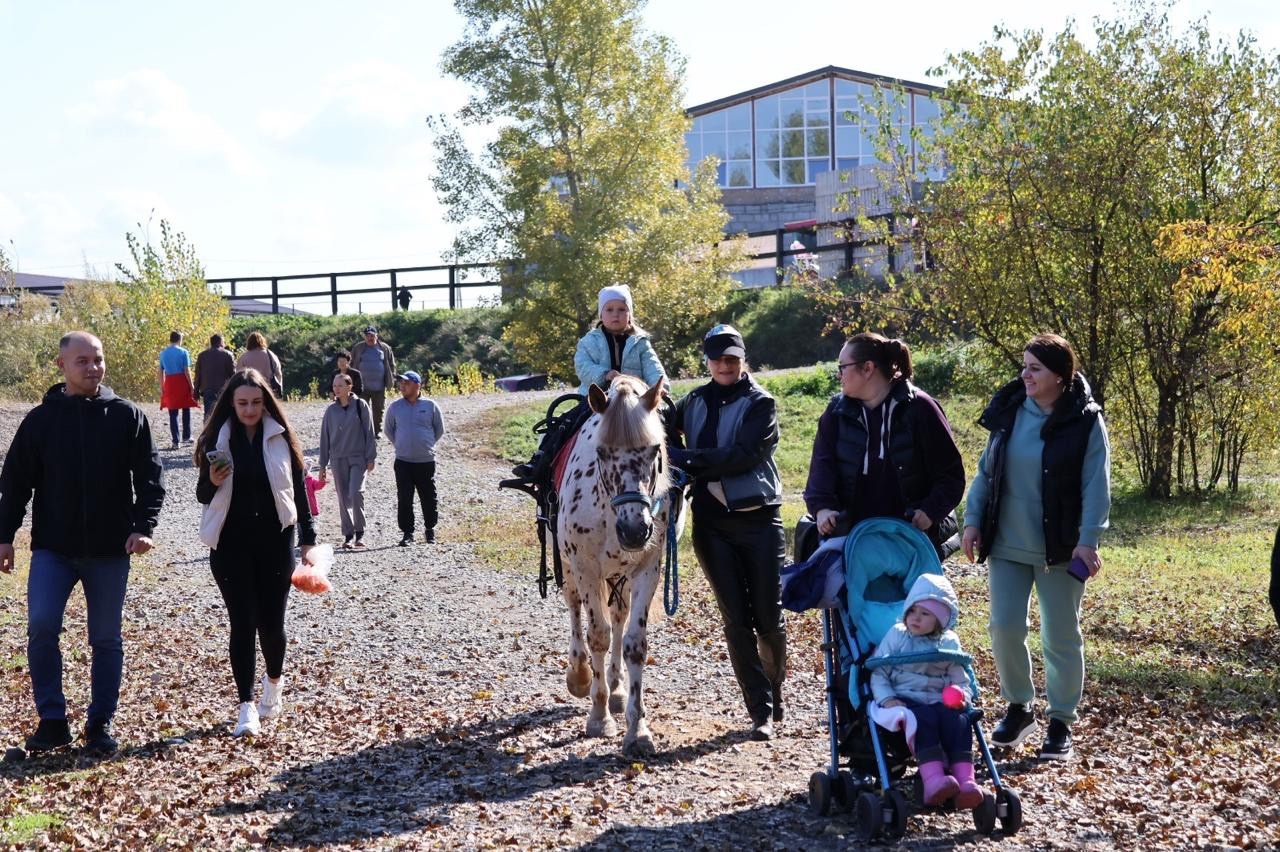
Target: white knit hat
x,y
621,292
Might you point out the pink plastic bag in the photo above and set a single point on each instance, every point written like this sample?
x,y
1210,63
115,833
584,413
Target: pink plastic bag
x,y
312,575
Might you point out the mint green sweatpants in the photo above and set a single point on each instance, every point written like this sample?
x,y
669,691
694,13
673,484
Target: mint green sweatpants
x,y
1059,594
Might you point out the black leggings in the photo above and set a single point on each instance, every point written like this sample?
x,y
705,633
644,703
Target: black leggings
x,y
254,576
740,554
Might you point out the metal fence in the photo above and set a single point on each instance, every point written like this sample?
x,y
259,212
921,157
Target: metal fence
x,y
340,288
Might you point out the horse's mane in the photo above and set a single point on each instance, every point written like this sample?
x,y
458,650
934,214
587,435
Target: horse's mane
x,y
626,423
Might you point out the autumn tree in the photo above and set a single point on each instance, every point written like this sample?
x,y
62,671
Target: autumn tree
x,y
1065,164
584,183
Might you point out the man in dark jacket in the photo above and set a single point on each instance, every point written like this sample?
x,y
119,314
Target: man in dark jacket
x,y
88,457
213,367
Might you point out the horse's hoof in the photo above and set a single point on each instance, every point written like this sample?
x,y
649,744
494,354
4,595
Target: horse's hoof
x,y
639,746
605,727
617,702
579,682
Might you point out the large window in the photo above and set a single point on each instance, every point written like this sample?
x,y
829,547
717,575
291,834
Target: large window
x,y
793,136
858,125
726,135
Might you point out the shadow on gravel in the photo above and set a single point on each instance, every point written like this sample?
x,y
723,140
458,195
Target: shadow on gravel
x,y
74,759
413,785
769,826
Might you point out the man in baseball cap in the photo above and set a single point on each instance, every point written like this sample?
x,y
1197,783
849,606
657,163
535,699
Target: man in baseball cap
x,y
376,363
414,425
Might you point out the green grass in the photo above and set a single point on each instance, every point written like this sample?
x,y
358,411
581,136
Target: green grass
x,y
21,829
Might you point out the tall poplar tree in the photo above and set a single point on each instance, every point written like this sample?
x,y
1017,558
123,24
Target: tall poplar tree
x,y
585,182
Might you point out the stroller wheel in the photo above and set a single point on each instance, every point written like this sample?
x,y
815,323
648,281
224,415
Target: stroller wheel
x,y
846,790
869,814
897,809
984,815
820,793
1009,806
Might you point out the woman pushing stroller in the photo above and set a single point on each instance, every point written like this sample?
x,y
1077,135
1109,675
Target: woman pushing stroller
x,y
936,693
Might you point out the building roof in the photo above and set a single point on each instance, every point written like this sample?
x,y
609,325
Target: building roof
x,y
809,77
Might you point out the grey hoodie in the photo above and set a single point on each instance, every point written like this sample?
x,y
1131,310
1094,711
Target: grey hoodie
x,y
921,683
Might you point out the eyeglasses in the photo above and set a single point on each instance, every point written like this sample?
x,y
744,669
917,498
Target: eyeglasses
x,y
840,367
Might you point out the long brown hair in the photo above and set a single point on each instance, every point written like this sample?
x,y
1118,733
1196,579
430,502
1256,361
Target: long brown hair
x,y
224,410
256,340
1056,353
892,357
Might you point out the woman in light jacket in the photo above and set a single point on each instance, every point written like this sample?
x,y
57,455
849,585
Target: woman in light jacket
x,y
258,357
729,431
348,445
251,485
1040,499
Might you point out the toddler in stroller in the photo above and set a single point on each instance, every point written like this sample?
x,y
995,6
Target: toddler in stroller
x,y
880,703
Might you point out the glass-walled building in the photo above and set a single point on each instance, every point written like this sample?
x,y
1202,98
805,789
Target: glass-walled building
x,y
788,133
782,147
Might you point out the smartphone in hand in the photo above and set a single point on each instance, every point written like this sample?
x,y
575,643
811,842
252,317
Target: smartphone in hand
x,y
1078,569
218,458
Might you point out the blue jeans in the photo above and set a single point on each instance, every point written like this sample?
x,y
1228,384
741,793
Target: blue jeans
x,y
209,397
942,734
49,585
186,424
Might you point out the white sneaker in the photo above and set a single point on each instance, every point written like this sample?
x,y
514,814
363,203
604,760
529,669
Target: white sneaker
x,y
248,723
272,703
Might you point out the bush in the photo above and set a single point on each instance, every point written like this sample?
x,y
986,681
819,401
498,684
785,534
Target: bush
x,y
783,327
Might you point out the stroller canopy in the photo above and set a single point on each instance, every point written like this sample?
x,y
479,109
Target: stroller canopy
x,y
882,559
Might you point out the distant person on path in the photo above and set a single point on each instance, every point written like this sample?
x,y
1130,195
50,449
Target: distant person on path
x,y
342,361
404,297
414,425
1041,498
943,742
377,365
728,432
177,393
347,444
615,346
884,448
214,367
258,357
88,457
255,497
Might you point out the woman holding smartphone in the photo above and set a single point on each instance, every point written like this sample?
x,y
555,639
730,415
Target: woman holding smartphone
x,y
251,485
1035,512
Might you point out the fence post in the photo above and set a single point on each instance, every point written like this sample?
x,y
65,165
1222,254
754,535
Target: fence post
x,y
453,280
394,288
233,288
275,295
333,292
779,260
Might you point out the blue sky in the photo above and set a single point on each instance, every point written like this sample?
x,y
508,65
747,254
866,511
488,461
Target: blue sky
x,y
288,137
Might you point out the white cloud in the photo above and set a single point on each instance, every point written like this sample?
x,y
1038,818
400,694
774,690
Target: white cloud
x,y
149,101
11,218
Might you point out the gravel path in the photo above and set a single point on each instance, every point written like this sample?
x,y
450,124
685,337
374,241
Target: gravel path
x,y
426,705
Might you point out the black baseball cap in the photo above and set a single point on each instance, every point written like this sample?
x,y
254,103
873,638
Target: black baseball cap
x,y
723,340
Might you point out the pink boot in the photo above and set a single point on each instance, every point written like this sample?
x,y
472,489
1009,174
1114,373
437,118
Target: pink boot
x,y
969,794
938,785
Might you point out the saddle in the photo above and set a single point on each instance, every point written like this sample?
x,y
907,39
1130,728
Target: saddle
x,y
559,430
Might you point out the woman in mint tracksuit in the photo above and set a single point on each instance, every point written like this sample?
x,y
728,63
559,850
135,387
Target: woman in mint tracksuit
x,y
1041,498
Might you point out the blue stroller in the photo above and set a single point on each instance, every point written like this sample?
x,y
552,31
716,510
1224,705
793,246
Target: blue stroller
x,y
882,558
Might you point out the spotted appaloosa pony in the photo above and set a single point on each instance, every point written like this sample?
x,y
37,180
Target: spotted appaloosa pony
x,y
612,528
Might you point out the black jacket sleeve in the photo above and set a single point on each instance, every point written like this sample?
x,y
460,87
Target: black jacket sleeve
x,y
17,480
148,478
941,458
756,438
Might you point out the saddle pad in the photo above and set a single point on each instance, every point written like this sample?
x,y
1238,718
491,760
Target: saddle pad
x,y
562,461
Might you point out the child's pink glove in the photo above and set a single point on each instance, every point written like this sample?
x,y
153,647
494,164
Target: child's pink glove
x,y
954,697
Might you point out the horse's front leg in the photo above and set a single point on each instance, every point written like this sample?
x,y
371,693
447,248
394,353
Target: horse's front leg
x,y
578,677
599,722
619,607
635,648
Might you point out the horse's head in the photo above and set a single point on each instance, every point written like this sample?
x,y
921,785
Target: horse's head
x,y
631,455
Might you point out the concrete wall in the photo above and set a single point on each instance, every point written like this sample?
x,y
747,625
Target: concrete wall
x,y
767,209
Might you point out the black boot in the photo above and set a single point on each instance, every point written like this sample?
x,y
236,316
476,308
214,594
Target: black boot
x,y
50,734
98,738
